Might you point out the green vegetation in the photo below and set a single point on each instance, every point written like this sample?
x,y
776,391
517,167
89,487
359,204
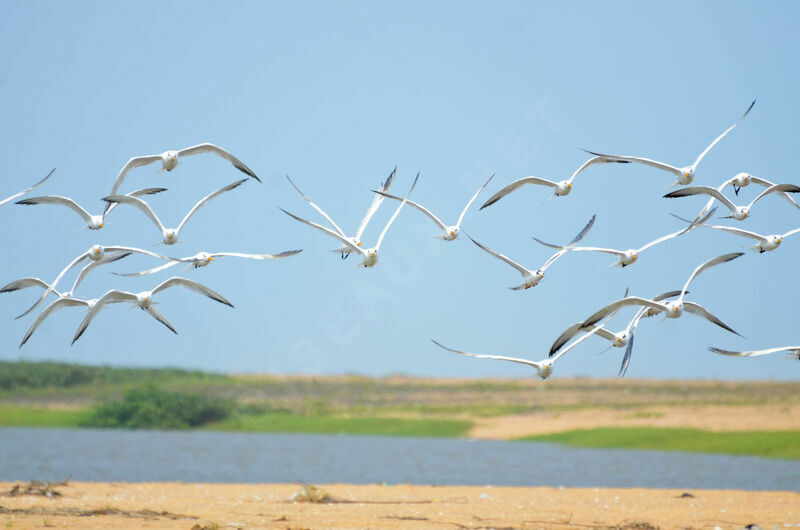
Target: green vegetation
x,y
153,408
286,422
770,444
16,416
26,375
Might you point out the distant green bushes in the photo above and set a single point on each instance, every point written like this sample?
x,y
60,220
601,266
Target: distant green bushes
x,y
150,407
18,375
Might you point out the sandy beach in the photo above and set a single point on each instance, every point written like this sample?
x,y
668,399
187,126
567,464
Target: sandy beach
x,y
218,506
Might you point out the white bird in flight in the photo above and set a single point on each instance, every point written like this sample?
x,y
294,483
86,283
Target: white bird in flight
x,y
201,259
629,256
369,257
739,213
449,233
560,188
93,222
96,253
66,301
24,283
763,243
544,368
794,352
144,300
531,278
169,236
345,250
672,309
169,161
685,174
26,190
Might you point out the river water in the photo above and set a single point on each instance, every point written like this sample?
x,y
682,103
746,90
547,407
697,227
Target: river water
x,y
198,456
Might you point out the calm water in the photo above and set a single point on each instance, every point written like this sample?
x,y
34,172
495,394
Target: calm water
x,y
140,456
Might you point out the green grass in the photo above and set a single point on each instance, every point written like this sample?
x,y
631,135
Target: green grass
x,y
769,444
15,416
283,422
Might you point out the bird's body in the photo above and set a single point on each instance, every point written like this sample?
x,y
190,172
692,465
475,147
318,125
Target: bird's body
x,y
448,233
531,278
144,300
169,236
740,213
93,222
560,188
684,175
369,257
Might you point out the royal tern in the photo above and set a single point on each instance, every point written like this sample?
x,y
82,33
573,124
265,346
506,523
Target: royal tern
x,y
449,233
531,278
144,300
737,212
673,309
370,256
93,222
560,188
169,236
763,243
628,257
97,253
201,259
345,250
794,352
26,190
685,174
169,160
544,368
24,283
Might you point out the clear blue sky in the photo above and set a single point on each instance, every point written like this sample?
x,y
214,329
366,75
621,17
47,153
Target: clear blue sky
x,y
335,95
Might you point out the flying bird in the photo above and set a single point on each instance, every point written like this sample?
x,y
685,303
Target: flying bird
x,y
26,190
739,213
169,161
673,309
201,259
544,368
531,278
93,222
794,352
144,300
560,188
96,253
24,283
169,236
345,250
369,257
449,233
629,256
763,243
685,174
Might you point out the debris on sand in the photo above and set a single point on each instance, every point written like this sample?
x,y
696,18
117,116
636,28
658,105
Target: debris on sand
x,y
686,495
310,493
35,487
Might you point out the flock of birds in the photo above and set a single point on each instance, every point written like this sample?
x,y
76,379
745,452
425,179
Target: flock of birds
x,y
670,304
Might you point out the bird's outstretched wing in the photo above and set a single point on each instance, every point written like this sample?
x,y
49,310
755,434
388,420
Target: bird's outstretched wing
x,y
211,148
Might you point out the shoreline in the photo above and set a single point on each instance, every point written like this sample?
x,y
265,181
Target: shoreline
x,y
204,506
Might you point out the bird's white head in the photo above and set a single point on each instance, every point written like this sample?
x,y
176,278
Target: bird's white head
x,y
371,257
674,309
96,252
169,160
620,339
170,237
451,233
687,175
740,180
201,259
545,369
95,222
144,299
563,188
629,257
741,213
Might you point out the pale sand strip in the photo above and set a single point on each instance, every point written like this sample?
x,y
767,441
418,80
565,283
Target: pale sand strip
x,y
713,418
266,506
